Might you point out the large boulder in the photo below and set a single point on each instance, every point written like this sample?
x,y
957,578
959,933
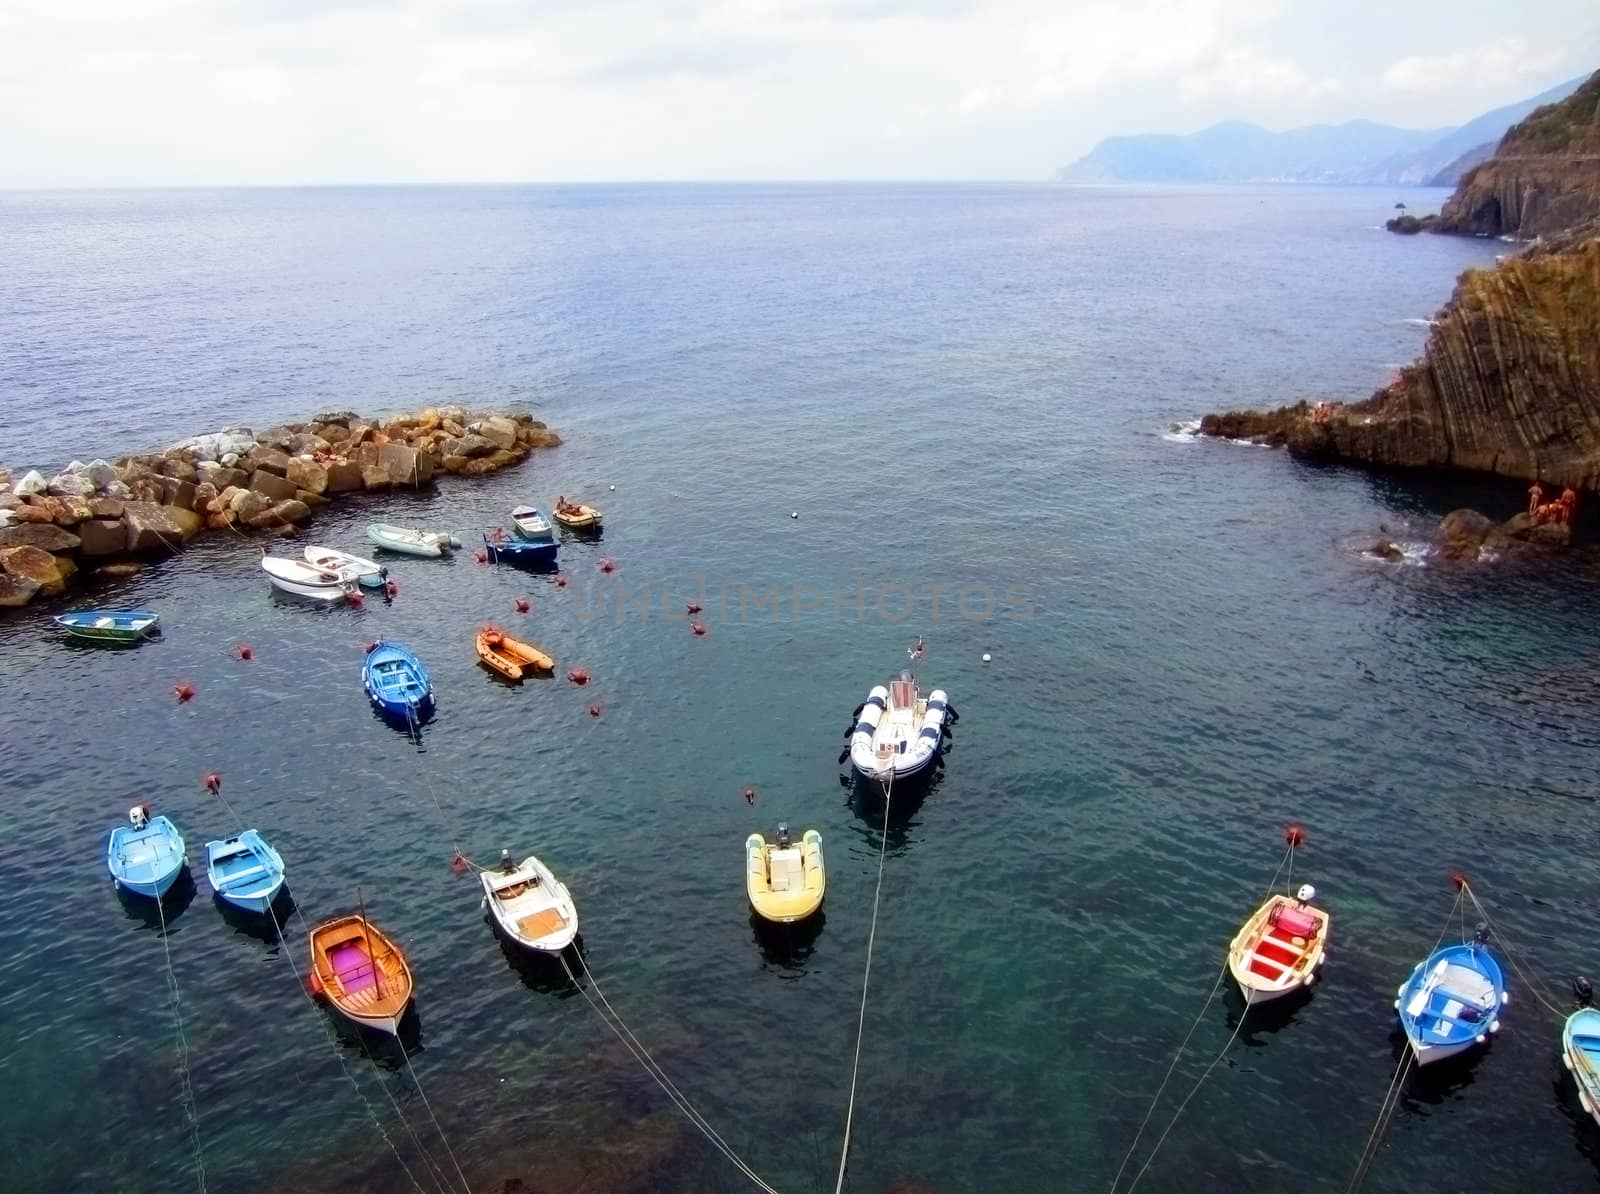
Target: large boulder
x,y
178,468
43,535
343,476
271,461
70,511
470,446
247,503
67,484
175,492
540,437
304,443
280,514
342,417
404,464
1529,529
105,507
276,437
1463,532
101,474
225,478
375,477
497,429
454,464
307,474
30,483
155,527
51,573
102,537
493,462
37,510
270,485
16,590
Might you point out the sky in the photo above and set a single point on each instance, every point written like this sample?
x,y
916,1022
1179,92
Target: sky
x,y
220,92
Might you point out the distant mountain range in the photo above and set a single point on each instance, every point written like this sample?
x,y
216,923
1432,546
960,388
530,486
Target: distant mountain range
x,y
1356,152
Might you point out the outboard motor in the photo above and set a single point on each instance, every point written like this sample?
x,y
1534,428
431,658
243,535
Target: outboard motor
x,y
1306,894
1480,933
139,816
784,841
1583,991
506,864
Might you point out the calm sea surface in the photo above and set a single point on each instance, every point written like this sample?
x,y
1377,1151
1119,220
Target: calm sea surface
x,y
969,395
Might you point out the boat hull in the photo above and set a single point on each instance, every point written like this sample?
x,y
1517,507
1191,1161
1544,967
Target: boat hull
x,y
255,887
410,703
1451,1002
808,885
1278,950
1580,1054
109,626
896,735
521,552
530,907
146,862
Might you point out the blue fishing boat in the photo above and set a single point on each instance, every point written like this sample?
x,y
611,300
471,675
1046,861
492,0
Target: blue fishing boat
x,y
109,625
396,682
245,871
146,855
1452,1000
519,551
1580,1053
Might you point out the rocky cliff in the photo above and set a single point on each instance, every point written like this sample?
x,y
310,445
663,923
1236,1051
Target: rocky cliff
x,y
1510,380
1544,177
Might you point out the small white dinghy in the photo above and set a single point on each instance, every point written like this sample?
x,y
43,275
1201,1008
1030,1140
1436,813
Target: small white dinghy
x,y
353,568
531,906
407,541
304,580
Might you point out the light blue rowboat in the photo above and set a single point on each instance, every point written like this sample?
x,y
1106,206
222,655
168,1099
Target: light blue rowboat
x,y
396,682
1452,1000
407,541
1580,1053
245,871
532,525
109,625
145,856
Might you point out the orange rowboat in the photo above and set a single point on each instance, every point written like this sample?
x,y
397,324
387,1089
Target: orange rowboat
x,y
510,657
361,972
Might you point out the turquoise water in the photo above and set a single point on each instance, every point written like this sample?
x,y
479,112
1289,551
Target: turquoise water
x,y
964,392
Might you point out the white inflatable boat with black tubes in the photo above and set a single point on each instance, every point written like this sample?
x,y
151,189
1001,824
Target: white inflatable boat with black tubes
x,y
898,733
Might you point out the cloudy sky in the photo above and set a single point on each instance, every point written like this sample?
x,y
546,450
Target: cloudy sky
x,y
181,92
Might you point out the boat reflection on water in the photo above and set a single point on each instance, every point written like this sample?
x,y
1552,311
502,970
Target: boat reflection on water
x,y
542,972
383,1049
267,926
869,802
147,912
787,946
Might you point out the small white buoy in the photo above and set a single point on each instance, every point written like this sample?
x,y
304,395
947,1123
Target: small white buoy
x,y
794,514
986,657
613,489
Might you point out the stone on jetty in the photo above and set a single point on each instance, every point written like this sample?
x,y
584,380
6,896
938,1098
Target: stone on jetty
x,y
16,590
272,486
307,474
32,482
49,572
154,527
102,537
43,535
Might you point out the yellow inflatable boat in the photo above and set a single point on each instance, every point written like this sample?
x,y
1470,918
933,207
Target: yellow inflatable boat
x,y
785,879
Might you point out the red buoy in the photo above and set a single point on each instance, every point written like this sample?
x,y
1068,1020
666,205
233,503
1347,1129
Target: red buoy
x,y
184,692
579,675
1458,879
607,564
693,607
481,556
459,865
594,709
1295,835
522,604
697,628
366,647
561,580
749,795
391,589
356,598
212,781
245,651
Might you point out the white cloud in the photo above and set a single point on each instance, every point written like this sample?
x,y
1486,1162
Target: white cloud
x,y
1513,60
1247,71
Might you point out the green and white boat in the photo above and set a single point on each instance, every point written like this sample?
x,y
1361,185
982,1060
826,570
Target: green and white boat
x,y
410,542
110,625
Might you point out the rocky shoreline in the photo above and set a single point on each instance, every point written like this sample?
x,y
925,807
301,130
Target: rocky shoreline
x,y
106,517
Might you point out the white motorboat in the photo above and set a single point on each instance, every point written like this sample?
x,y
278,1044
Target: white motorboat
x,y
897,733
411,542
353,568
306,580
531,906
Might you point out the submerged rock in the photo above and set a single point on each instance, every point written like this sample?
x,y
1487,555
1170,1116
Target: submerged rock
x,y
1386,549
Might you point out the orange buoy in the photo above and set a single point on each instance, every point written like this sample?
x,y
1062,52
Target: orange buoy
x,y
481,556
366,647
184,692
579,675
522,604
1295,835
391,589
459,865
212,781
1458,879
749,795
561,580
356,598
607,564
594,709
313,983
245,651
692,607
698,629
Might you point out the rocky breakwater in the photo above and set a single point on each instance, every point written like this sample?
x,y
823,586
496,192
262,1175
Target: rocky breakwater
x,y
101,515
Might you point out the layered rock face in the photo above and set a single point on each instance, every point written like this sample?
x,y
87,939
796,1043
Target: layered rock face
x,y
238,479
1544,178
1510,380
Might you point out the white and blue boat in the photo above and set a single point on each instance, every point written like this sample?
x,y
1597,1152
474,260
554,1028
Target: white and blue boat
x,y
532,525
396,682
1452,1000
1580,1048
245,871
145,856
519,551
109,625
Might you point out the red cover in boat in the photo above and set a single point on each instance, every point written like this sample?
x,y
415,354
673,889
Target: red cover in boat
x,y
1295,922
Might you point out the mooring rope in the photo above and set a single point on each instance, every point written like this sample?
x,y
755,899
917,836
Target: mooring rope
x,y
437,1127
191,1108
1272,883
1386,1110
1505,947
642,1055
444,821
866,978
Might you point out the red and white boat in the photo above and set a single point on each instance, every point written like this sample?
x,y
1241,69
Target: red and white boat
x,y
1280,947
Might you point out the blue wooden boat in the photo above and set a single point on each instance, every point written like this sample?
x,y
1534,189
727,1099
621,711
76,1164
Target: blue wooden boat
x,y
1452,1000
396,682
109,625
519,551
245,871
1580,1053
146,855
